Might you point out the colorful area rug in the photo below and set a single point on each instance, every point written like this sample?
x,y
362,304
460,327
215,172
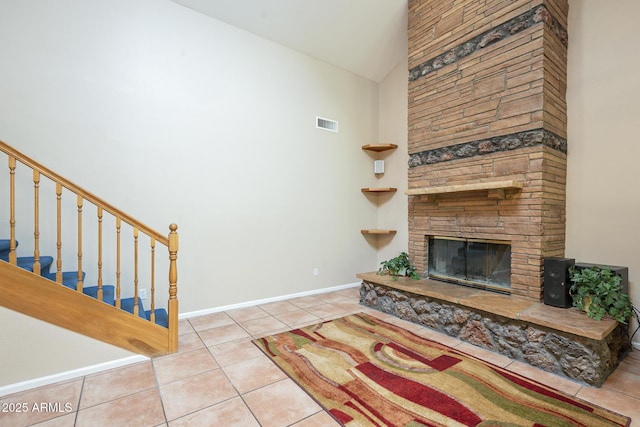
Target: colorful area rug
x,y
366,372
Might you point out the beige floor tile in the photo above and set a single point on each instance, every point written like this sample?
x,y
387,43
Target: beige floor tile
x,y
140,409
331,297
59,394
231,413
631,363
626,379
613,401
259,327
272,332
278,307
234,352
184,327
183,365
68,420
223,334
189,342
349,307
280,404
248,313
195,393
320,419
350,293
297,317
308,301
253,373
326,311
116,383
208,321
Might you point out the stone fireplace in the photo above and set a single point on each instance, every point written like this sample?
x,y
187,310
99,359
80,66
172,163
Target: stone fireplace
x,y
487,130
487,167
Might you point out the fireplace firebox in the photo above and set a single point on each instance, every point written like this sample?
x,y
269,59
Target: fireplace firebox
x,y
479,263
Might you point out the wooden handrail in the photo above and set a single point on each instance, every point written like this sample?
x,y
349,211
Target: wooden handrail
x,y
27,161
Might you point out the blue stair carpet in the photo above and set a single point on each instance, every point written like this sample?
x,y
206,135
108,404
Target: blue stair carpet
x,y
108,293
26,262
70,280
162,317
4,248
127,304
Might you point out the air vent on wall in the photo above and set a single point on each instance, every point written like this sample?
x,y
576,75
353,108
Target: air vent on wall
x,y
326,124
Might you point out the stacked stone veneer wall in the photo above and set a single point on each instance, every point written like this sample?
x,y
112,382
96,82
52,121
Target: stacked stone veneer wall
x,y
487,83
579,358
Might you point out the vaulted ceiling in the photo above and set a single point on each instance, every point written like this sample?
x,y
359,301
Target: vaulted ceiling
x,y
366,37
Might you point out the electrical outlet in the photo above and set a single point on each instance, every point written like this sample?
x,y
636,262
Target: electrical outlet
x,y
142,293
316,271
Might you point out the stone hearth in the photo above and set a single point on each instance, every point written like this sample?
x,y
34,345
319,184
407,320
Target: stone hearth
x,y
557,340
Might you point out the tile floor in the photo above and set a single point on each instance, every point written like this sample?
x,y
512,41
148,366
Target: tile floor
x,y
219,378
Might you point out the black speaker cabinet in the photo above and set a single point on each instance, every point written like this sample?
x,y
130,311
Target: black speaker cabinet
x,y
557,283
623,272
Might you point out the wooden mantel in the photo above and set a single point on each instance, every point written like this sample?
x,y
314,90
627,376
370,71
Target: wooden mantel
x,y
496,189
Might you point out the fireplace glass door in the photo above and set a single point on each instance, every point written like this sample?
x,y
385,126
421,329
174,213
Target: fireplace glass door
x,y
481,263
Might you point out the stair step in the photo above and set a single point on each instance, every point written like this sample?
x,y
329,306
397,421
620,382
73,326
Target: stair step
x,y
108,293
69,278
26,262
162,318
5,245
127,305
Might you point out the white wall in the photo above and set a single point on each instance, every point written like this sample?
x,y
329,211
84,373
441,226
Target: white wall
x,y
603,90
175,117
393,208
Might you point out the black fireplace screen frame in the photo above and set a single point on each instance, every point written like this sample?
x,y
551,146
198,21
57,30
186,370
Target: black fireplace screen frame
x,y
479,263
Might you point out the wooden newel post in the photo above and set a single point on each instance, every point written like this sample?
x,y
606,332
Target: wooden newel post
x,y
173,288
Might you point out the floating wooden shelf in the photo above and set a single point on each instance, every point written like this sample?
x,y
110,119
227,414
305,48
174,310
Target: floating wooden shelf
x,y
379,190
379,147
496,188
377,231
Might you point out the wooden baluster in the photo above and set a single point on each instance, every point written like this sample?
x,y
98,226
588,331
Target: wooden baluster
x,y
136,310
79,285
36,220
153,281
118,262
13,258
100,294
173,288
59,233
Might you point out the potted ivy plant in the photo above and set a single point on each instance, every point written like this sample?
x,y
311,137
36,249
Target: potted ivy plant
x,y
598,292
398,267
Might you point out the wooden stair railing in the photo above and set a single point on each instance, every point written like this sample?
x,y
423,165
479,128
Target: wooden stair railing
x,y
164,341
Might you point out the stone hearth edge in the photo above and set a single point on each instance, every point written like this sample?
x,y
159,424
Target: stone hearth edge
x,y
558,340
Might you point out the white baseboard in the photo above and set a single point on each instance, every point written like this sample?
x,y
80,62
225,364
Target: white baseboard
x,y
69,375
636,345
267,300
